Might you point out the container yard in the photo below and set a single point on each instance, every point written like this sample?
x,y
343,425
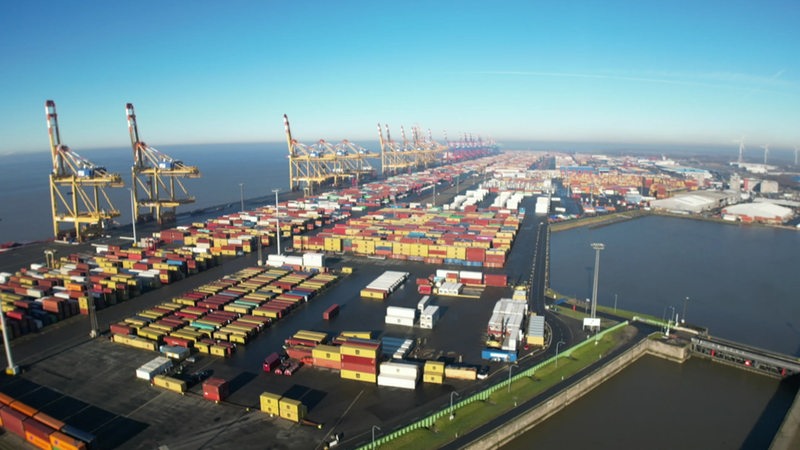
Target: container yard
x,y
295,338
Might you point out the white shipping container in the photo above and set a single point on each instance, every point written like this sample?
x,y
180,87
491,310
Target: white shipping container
x,y
398,382
424,303
401,321
406,370
313,260
469,275
153,367
401,312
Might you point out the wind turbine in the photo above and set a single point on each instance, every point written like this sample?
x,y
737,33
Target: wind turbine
x,y
740,141
766,152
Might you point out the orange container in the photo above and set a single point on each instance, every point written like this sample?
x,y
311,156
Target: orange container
x,y
23,408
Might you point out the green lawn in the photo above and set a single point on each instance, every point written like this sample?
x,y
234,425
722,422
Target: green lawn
x,y
480,412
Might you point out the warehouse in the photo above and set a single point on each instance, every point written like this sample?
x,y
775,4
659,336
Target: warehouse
x,y
696,202
758,212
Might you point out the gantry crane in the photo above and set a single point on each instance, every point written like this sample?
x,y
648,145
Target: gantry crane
x,y
323,163
415,153
157,175
77,188
393,159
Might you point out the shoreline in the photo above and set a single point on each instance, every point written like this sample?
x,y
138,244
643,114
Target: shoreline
x,y
618,217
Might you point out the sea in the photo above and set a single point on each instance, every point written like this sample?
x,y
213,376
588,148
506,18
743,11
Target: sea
x,y
25,194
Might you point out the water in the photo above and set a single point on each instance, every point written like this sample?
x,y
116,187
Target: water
x,y
657,404
741,281
25,196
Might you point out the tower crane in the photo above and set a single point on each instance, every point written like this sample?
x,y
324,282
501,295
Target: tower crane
x,y
77,187
156,179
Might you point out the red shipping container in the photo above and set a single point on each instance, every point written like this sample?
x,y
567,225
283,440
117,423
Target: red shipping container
x,y
215,389
500,280
425,289
13,421
119,328
327,363
362,360
39,429
331,312
364,368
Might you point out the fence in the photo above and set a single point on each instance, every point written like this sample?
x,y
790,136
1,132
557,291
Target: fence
x,y
483,395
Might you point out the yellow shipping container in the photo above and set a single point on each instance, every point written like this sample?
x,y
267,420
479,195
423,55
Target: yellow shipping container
x,y
135,342
326,352
353,350
270,403
172,384
434,367
357,334
359,376
460,373
432,378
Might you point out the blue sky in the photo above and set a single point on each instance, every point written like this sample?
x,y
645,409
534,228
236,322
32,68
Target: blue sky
x,y
704,72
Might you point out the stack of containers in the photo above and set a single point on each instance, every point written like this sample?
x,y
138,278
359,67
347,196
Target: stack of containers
x,y
384,285
433,372
423,303
396,315
360,359
328,356
450,288
535,335
396,348
291,409
429,317
270,403
397,374
470,277
506,322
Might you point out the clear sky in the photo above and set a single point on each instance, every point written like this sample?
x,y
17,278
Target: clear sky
x,y
197,71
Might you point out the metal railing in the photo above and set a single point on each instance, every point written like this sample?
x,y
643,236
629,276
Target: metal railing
x,y
483,395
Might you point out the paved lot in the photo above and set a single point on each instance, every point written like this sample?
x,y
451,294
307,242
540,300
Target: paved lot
x,y
91,384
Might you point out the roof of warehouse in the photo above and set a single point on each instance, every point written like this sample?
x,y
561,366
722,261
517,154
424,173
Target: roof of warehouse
x,y
758,210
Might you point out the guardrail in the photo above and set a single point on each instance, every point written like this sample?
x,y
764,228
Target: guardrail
x,y
483,395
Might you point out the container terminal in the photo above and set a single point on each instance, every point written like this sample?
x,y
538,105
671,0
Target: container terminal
x,y
387,299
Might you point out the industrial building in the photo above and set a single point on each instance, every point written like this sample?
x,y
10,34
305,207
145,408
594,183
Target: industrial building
x,y
758,212
696,202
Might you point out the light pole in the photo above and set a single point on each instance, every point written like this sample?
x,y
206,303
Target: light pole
x,y
133,216
434,194
683,316
597,247
12,368
241,196
509,375
277,223
672,313
374,427
452,414
615,303
557,344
